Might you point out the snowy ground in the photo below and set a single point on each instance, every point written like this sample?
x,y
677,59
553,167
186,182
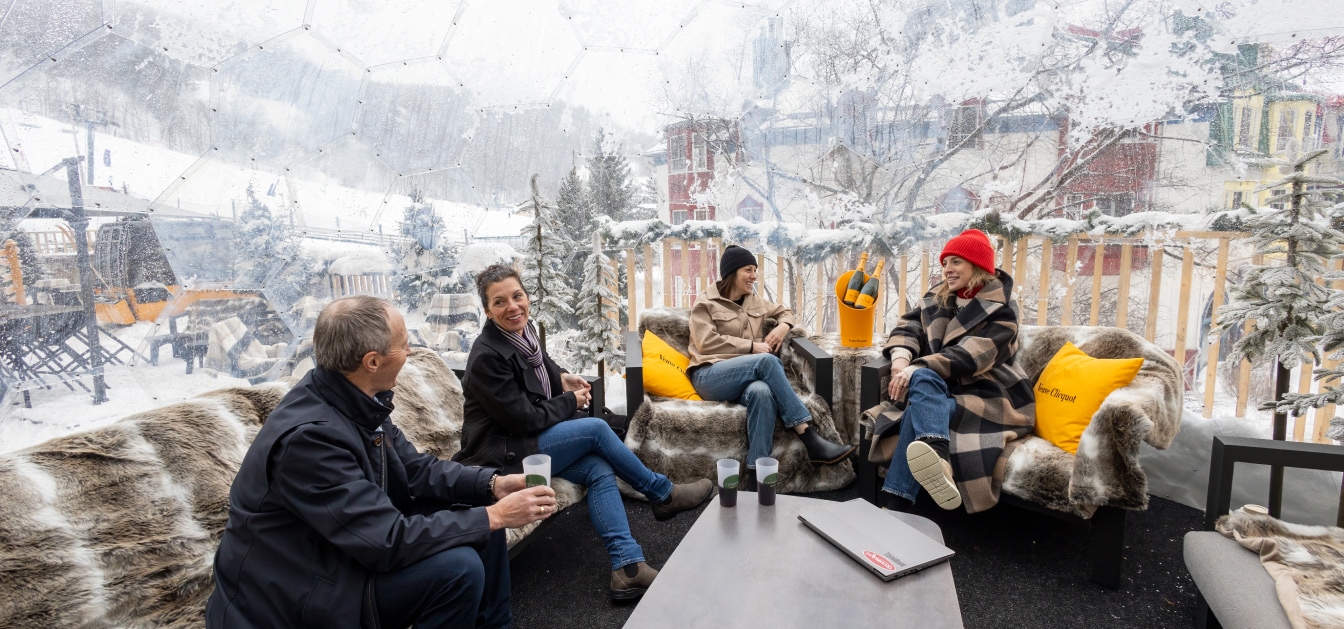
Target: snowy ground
x,y
131,389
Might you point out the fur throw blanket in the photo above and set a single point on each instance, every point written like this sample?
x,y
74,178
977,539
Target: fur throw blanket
x,y
118,526
1306,562
1106,469
683,439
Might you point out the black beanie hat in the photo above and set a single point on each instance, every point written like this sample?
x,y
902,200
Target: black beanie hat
x,y
734,258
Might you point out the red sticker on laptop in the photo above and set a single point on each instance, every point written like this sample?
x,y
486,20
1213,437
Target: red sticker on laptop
x,y
878,560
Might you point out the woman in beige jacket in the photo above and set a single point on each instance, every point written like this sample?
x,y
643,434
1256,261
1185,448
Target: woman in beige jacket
x,y
733,361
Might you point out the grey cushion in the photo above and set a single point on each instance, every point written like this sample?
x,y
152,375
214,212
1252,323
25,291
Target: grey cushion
x,y
1237,588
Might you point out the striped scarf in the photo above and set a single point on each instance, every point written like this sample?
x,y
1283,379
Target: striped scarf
x,y
527,346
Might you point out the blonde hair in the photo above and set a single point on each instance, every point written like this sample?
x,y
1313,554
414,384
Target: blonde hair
x,y
979,277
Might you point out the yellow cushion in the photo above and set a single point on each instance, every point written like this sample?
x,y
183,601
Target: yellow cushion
x,y
1072,388
665,369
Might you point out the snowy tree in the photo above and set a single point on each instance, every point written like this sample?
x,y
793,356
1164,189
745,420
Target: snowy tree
x,y
573,206
543,275
1288,313
597,308
268,254
424,257
609,185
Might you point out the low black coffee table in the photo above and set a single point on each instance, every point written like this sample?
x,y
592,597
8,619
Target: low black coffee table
x,y
754,566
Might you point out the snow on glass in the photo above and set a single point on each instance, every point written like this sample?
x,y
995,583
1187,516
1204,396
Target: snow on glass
x,y
241,163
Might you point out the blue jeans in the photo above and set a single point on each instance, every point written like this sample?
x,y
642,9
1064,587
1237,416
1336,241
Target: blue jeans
x,y
757,382
928,413
586,452
459,587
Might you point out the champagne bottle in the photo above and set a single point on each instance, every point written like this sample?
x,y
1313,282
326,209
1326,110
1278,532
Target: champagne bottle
x,y
856,281
869,293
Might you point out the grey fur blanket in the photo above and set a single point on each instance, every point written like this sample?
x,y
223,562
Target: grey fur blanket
x,y
683,439
117,527
1106,470
1306,562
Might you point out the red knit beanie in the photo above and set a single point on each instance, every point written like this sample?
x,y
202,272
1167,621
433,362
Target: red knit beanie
x,y
972,246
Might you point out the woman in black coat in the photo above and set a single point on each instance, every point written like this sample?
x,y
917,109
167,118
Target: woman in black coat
x,y
519,403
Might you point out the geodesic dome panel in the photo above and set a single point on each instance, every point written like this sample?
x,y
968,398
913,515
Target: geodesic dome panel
x,y
282,100
511,54
634,25
416,115
204,32
376,33
33,31
339,186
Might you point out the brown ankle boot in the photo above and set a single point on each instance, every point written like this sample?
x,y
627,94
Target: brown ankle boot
x,y
631,581
683,498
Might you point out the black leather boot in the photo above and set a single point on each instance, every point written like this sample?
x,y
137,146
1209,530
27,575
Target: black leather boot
x,y
747,481
819,450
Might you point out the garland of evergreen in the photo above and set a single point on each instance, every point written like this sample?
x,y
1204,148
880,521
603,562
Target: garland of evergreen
x,y
810,246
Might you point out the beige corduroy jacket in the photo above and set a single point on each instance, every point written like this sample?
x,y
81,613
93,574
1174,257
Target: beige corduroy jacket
x,y
721,329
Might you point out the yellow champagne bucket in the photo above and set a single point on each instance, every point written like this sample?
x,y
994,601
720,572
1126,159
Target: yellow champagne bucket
x,y
856,324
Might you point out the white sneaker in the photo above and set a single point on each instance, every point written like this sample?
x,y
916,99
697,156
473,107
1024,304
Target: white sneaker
x,y
934,474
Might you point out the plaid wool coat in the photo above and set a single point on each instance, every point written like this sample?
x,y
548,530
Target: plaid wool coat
x,y
972,348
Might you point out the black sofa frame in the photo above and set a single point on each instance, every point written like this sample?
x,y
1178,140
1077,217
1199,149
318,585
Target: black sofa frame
x,y
1227,452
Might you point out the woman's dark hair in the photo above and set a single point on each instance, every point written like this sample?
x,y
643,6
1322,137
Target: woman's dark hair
x,y
492,275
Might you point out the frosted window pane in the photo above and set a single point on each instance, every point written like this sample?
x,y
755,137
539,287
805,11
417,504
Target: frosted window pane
x,y
630,24
416,116
341,187
378,32
282,101
36,30
204,32
508,54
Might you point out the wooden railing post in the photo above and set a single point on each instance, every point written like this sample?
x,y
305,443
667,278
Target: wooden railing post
x,y
1070,265
648,276
687,291
669,283
1122,298
1098,261
1043,297
632,313
1183,309
1211,374
1154,295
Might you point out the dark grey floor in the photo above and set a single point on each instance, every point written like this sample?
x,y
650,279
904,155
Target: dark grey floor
x,y
1013,568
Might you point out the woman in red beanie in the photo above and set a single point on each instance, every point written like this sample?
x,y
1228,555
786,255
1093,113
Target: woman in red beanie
x,y
958,401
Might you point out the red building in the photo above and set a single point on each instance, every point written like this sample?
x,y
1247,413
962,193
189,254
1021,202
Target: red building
x,y
692,148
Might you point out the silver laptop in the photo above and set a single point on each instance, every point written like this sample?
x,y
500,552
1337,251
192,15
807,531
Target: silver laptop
x,y
875,538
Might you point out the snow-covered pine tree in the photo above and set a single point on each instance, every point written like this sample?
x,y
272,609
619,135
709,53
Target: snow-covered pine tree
x,y
609,184
573,206
1286,309
1331,340
424,256
269,254
544,256
599,335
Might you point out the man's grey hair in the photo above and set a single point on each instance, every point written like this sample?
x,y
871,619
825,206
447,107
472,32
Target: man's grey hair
x,y
349,328
492,275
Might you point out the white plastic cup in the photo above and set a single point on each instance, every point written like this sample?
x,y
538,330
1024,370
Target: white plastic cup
x,y
729,477
729,473
537,470
767,476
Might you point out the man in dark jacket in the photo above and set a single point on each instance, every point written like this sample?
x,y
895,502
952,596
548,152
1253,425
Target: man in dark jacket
x,y
335,520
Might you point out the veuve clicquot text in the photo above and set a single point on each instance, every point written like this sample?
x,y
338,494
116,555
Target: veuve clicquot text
x,y
856,281
868,295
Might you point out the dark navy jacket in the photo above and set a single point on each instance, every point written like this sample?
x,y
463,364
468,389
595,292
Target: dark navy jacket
x,y
320,504
504,405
